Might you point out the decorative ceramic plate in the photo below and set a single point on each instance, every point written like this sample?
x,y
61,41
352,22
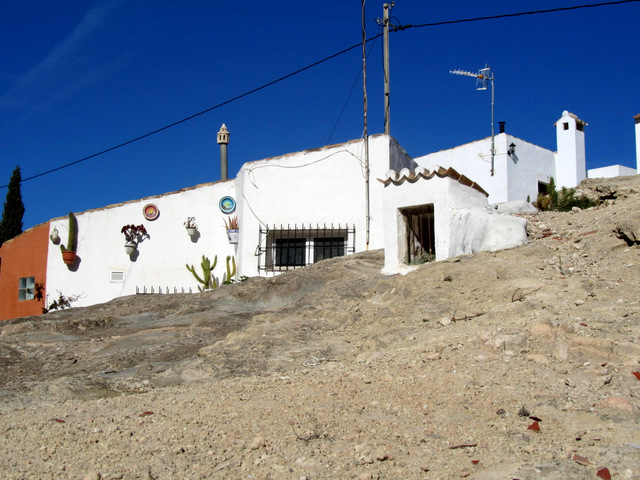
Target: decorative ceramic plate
x,y
150,212
227,205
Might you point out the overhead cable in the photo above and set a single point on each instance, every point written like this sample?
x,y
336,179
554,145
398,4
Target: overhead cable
x,y
341,52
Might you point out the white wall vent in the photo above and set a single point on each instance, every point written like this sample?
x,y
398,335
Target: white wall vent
x,y
117,276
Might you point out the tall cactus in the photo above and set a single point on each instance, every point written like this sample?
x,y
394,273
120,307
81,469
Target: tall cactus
x,y
72,241
208,281
231,270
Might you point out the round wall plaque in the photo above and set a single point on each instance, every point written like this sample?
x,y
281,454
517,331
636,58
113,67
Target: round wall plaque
x,y
150,212
227,205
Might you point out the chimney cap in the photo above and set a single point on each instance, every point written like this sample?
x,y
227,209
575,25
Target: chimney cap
x,y
223,134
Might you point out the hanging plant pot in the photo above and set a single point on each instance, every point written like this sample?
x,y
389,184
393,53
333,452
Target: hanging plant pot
x,y
130,247
68,257
191,231
55,237
233,236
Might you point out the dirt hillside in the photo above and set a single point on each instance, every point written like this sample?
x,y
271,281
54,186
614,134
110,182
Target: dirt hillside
x,y
510,365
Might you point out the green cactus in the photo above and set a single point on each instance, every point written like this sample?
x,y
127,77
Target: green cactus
x,y
72,242
208,281
231,271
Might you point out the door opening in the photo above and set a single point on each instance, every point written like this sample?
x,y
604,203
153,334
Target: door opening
x,y
420,234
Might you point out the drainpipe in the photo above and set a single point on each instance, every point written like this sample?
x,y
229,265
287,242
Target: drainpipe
x,y
223,141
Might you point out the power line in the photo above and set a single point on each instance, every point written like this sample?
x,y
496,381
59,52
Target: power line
x,y
326,59
519,14
166,127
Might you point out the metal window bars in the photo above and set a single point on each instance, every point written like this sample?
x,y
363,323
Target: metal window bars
x,y
283,248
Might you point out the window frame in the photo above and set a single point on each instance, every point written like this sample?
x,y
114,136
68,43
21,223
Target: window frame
x,y
304,245
26,288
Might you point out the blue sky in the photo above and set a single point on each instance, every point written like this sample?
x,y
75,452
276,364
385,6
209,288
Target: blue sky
x,y
81,76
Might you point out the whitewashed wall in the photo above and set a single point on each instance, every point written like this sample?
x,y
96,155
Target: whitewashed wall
x,y
637,128
162,257
447,196
321,186
529,165
473,160
610,171
515,177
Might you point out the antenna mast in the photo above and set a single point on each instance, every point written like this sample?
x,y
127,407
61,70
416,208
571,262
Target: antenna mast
x,y
483,76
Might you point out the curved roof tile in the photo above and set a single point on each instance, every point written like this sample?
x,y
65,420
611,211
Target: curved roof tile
x,y
412,176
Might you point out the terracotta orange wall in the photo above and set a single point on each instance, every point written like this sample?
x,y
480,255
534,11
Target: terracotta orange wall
x,y
22,256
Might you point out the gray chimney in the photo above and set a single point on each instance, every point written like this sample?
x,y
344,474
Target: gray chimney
x,y
223,141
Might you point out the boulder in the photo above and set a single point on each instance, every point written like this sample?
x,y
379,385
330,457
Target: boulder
x,y
477,231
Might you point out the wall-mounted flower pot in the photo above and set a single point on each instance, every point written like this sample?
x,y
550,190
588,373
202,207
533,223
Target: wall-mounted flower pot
x,y
130,247
233,236
68,257
191,231
55,237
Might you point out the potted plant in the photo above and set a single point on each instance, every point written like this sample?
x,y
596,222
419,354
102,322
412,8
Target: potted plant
x,y
134,235
231,224
191,226
55,237
69,252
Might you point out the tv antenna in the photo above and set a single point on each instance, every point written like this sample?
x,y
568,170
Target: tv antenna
x,y
483,76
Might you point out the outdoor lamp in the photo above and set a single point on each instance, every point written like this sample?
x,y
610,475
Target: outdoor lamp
x,y
512,149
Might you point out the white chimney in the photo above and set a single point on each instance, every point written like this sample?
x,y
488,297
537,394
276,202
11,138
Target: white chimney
x,y
571,163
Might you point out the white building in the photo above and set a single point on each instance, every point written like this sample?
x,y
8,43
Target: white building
x,y
303,207
519,170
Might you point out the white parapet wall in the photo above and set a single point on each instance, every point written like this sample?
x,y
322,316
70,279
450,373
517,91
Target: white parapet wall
x,y
637,121
610,171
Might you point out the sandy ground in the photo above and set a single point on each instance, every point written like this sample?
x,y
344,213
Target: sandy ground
x,y
510,365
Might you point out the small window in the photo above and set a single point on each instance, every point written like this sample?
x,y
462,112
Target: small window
x,y
26,288
290,252
328,247
543,188
565,125
117,276
579,127
283,248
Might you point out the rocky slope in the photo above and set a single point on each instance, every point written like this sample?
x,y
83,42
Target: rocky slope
x,y
510,365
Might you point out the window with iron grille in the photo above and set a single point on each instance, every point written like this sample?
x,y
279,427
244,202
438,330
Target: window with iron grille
x,y
287,247
328,247
290,252
26,288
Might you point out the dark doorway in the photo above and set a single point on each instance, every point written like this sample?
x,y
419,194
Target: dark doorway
x,y
421,236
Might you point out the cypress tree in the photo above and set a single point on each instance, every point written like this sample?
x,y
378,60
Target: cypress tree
x,y
11,223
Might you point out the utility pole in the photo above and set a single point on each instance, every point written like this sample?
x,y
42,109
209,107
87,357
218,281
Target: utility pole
x,y
386,8
366,136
